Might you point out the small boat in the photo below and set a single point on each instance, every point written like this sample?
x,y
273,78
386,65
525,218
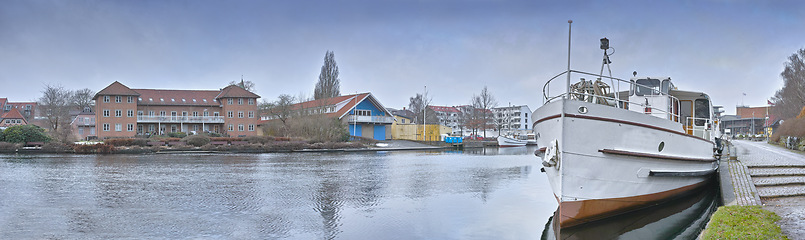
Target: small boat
x,y
531,139
611,151
509,141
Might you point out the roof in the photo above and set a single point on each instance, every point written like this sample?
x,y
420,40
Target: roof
x,y
13,114
444,109
235,91
177,97
116,88
3,101
348,101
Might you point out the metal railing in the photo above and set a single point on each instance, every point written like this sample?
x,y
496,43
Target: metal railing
x,y
370,119
180,119
612,96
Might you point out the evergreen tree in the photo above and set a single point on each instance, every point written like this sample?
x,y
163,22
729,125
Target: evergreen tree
x,y
329,85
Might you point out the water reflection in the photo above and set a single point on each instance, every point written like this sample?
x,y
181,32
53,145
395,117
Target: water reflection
x,y
397,195
679,219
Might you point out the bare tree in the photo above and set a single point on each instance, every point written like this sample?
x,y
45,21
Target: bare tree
x,y
82,99
248,85
280,109
419,103
55,105
789,101
329,85
484,104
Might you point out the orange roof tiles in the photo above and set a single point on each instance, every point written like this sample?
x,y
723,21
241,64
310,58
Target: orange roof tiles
x,y
13,114
235,91
116,88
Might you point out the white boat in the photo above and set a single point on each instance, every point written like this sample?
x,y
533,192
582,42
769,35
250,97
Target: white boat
x,y
509,141
531,139
610,152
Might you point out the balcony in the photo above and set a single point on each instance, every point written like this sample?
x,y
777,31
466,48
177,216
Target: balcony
x,y
370,119
179,119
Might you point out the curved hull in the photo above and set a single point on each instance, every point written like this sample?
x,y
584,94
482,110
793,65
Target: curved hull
x,y
510,142
604,161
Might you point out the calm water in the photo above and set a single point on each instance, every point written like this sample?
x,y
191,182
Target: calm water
x,y
482,194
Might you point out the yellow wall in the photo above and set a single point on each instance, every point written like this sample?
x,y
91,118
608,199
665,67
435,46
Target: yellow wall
x,y
414,131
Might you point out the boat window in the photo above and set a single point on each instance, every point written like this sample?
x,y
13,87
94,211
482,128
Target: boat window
x,y
666,86
647,87
702,111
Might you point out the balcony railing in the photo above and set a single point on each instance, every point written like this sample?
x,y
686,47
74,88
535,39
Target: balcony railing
x,y
370,119
179,119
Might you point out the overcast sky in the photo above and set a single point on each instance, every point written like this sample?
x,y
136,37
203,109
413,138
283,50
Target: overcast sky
x,y
395,48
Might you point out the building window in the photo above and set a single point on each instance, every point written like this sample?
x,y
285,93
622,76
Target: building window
x,y
118,113
118,99
231,127
240,101
195,114
251,114
230,114
240,127
150,113
118,127
151,128
139,129
130,127
205,100
92,131
215,114
105,98
251,127
105,127
161,113
183,100
240,114
130,99
106,112
206,113
363,112
139,113
251,101
184,114
229,101
195,128
130,113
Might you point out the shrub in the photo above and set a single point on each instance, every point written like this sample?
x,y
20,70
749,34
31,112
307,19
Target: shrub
x,y
25,133
255,139
142,142
55,147
7,146
93,148
177,134
197,140
118,142
225,139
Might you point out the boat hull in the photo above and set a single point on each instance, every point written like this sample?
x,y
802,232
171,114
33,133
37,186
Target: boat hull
x,y
504,141
602,161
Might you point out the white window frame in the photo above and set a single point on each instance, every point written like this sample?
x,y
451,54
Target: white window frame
x,y
118,127
240,127
130,127
118,99
251,127
105,99
240,114
105,127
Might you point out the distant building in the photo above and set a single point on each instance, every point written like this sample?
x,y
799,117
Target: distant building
x,y
12,118
448,116
84,125
513,118
362,113
26,109
749,119
124,112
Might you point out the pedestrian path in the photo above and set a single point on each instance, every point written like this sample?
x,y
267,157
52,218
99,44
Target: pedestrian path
x,y
743,187
775,171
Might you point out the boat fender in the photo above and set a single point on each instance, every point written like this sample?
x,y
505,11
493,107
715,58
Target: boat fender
x,y
551,157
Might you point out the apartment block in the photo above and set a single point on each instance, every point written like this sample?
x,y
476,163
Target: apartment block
x,y
124,112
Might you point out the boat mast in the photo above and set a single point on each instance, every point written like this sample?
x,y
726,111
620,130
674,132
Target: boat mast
x,y
569,27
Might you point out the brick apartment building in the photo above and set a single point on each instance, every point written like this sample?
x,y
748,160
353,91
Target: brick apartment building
x,y
124,112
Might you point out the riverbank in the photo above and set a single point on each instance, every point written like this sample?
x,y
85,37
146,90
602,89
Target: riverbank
x,y
237,147
763,176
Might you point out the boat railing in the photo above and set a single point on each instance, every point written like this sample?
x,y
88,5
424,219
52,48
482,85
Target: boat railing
x,y
613,95
702,130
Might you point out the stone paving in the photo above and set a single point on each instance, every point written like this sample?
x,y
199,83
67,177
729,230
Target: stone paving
x,y
779,177
745,192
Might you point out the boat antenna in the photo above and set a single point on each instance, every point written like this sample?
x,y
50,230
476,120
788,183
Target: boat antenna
x,y
569,27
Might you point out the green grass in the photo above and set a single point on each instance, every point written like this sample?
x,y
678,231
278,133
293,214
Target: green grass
x,y
743,222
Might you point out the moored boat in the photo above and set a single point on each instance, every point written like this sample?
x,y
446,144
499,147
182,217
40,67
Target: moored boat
x,y
509,141
607,151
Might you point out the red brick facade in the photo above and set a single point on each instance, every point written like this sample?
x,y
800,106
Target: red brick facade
x,y
155,111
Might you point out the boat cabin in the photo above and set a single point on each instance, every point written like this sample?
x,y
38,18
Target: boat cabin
x,y
660,98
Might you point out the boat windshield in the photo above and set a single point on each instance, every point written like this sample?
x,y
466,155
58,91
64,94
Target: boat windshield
x,y
647,87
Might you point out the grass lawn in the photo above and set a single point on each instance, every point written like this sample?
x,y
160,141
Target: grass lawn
x,y
743,222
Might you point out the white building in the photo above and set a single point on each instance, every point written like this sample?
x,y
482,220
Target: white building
x,y
513,118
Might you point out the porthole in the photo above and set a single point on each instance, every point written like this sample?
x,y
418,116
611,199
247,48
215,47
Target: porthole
x,y
582,109
662,145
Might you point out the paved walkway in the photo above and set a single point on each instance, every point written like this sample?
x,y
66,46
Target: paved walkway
x,y
778,175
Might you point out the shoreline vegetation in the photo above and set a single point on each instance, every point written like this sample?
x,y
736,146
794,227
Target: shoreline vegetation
x,y
743,222
193,143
